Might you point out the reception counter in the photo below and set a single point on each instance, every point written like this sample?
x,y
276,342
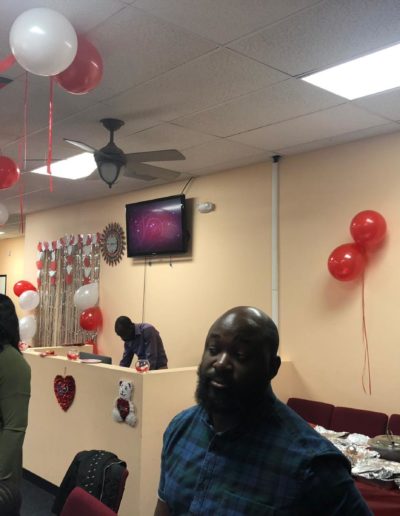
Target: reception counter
x,y
54,436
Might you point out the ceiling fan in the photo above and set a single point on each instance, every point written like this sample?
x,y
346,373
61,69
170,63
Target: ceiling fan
x,y
110,159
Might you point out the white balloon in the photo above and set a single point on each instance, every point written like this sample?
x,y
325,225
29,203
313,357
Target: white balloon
x,y
86,296
43,41
27,327
29,300
3,214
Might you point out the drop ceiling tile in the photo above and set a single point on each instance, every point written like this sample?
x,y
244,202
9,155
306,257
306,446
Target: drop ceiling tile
x,y
331,32
224,20
230,164
211,154
65,105
386,104
164,136
340,138
201,83
276,103
316,126
137,46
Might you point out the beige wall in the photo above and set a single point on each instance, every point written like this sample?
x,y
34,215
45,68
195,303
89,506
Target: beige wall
x,y
12,264
320,318
229,263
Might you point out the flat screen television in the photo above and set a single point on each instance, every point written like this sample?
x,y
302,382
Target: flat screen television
x,y
157,226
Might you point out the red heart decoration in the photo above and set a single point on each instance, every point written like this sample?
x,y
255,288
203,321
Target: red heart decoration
x,y
39,282
86,261
39,264
53,266
68,279
64,389
86,281
70,260
53,280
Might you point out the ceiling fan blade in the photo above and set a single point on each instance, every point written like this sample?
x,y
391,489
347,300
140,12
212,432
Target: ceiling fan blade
x,y
149,172
81,145
160,155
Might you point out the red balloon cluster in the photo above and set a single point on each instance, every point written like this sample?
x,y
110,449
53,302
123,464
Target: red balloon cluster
x,y
91,319
9,172
347,262
85,72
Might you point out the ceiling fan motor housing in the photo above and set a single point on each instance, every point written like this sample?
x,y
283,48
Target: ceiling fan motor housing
x,y
110,153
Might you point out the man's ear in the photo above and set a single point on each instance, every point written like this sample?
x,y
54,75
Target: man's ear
x,y
275,365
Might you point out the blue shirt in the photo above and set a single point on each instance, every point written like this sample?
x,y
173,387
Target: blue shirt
x,y
146,344
274,464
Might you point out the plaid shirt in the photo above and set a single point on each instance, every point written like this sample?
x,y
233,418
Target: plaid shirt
x,y
274,464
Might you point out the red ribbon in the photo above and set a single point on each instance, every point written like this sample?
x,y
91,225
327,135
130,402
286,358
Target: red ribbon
x,y
7,62
50,147
366,366
22,158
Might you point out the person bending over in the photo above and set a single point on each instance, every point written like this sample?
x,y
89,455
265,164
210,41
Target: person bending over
x,y
241,451
142,340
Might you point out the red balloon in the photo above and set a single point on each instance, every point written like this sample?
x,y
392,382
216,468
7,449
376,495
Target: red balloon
x,y
9,172
347,262
23,286
91,319
368,228
85,72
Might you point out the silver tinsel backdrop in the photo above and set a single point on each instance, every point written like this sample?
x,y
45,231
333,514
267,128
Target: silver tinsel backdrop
x,y
63,266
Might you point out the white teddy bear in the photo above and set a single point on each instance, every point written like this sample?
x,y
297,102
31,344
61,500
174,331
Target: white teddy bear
x,y
124,409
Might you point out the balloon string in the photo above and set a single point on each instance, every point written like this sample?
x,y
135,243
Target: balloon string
x,y
50,147
21,208
25,118
22,158
7,62
366,365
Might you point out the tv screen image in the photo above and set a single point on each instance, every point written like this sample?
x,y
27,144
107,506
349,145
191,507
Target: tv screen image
x,y
157,226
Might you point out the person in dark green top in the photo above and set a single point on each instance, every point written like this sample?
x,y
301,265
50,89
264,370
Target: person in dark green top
x,y
15,389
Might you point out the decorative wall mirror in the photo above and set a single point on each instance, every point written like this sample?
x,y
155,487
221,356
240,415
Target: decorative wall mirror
x,y
112,243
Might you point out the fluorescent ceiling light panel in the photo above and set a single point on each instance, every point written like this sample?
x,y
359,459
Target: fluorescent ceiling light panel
x,y
81,165
360,77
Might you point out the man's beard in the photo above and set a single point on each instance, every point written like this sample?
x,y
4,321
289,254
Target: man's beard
x,y
225,401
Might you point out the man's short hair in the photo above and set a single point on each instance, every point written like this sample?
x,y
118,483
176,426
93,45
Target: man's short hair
x,y
122,323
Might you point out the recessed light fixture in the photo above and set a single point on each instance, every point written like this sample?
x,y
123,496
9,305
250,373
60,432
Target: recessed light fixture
x,y
360,77
81,165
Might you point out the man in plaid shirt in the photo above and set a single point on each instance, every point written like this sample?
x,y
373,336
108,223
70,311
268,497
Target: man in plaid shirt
x,y
240,451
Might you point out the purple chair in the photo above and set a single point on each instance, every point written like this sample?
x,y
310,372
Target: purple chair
x,y
358,421
394,424
314,412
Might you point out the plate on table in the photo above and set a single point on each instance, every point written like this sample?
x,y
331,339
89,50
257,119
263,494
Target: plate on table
x,y
387,446
90,361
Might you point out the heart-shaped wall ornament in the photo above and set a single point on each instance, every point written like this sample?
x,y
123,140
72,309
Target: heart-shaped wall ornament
x,y
64,389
